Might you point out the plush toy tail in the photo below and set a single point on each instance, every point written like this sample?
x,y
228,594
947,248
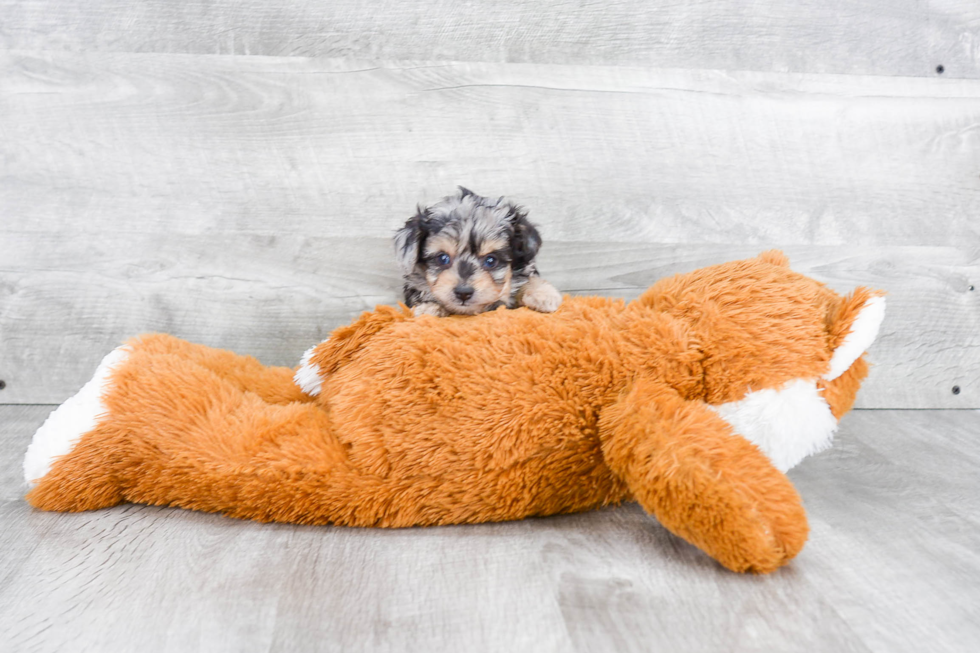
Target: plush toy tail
x,y
685,465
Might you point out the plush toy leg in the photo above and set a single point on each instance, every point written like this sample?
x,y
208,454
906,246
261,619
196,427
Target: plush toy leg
x,y
189,426
168,423
272,384
703,482
163,376
85,410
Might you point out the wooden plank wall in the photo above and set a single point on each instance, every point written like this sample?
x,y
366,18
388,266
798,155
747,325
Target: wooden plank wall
x,y
866,37
232,172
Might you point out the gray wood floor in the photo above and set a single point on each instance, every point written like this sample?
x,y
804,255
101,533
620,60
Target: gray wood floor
x,y
893,564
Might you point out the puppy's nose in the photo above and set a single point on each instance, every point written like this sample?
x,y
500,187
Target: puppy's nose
x,y
463,292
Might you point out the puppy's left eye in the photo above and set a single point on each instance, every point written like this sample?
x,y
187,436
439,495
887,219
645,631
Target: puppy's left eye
x,y
490,262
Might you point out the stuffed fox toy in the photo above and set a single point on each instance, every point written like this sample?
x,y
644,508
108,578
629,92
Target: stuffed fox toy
x,y
692,400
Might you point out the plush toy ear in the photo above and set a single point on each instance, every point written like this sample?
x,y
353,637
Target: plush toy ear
x,y
774,257
410,241
525,241
852,326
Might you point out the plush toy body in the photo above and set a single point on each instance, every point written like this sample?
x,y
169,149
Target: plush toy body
x,y
690,400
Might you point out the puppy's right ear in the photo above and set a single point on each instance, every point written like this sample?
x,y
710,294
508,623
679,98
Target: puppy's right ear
x,y
409,242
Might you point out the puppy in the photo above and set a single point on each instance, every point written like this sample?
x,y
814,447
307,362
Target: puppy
x,y
467,254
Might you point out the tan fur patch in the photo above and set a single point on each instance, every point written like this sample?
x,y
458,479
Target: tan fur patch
x,y
485,284
492,245
438,243
443,283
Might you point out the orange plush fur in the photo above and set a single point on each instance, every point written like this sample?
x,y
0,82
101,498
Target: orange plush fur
x,y
499,416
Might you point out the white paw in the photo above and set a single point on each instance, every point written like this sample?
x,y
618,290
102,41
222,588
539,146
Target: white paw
x,y
541,296
429,308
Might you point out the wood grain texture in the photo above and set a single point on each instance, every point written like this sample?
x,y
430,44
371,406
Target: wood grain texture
x,y
881,37
66,302
99,143
148,182
892,565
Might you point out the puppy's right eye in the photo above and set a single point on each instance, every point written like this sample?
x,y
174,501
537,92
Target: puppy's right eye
x,y
442,258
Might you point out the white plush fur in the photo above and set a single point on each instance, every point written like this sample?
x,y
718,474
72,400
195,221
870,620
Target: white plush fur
x,y
863,333
788,424
307,377
70,421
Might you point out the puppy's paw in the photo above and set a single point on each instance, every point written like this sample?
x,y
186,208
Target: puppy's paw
x,y
540,296
429,308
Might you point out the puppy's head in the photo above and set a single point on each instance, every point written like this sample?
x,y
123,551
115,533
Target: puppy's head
x,y
467,248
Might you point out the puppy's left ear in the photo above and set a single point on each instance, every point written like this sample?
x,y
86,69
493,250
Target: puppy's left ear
x,y
525,242
409,242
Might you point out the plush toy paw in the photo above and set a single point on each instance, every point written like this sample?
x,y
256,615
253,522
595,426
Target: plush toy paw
x,y
540,296
754,533
726,499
